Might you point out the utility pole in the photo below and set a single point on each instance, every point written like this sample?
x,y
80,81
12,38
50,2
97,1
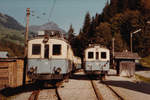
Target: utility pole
x,y
27,30
113,50
131,41
131,38
26,46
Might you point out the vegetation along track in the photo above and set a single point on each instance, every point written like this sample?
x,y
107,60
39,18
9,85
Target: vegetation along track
x,y
45,94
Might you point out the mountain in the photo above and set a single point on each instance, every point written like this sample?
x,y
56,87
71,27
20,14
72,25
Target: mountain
x,y
11,36
47,26
10,22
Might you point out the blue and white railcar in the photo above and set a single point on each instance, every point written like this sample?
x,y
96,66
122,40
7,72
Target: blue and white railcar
x,y
49,58
96,60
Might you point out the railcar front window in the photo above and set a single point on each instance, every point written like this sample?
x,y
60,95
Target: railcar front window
x,y
36,49
90,55
56,49
103,55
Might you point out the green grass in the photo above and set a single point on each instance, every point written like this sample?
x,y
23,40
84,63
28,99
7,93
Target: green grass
x,y
142,78
145,62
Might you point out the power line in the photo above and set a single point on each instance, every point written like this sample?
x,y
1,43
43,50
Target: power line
x,y
51,10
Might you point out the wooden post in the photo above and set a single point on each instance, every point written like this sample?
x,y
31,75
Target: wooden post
x,y
26,46
131,41
131,38
113,50
26,33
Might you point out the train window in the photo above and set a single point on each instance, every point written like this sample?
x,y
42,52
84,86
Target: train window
x,y
46,53
103,55
56,49
97,55
36,49
90,55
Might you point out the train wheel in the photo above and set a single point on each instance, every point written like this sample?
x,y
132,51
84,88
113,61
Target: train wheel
x,y
102,77
66,79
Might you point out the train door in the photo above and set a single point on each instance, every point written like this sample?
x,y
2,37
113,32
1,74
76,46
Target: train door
x,y
97,55
46,51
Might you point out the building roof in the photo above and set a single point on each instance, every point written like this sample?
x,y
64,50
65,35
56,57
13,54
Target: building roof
x,y
126,55
3,54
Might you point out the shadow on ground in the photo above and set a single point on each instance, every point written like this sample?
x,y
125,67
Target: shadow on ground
x,y
84,77
140,87
141,68
21,89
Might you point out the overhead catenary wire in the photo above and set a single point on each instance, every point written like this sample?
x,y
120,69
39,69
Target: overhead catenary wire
x,y
51,10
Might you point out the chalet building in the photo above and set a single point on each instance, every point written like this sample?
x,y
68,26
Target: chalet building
x,y
125,63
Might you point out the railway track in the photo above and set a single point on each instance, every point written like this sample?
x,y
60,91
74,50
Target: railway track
x,y
114,92
46,94
97,93
104,91
97,86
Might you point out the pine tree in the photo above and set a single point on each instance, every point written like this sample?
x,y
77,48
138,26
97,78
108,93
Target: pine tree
x,y
70,33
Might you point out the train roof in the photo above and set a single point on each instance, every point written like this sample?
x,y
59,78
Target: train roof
x,y
95,45
54,37
51,34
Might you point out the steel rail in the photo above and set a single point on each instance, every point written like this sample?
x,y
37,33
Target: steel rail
x,y
34,95
116,94
57,94
97,93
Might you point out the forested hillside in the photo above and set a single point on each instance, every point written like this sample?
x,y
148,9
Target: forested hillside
x,y
118,19
11,36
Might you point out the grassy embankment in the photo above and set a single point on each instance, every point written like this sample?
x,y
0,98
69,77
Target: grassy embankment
x,y
142,78
145,62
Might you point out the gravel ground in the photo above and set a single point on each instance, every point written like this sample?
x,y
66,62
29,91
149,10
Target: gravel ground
x,y
77,89
23,96
128,89
48,94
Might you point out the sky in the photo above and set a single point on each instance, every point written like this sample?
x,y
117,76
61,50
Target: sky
x,y
62,12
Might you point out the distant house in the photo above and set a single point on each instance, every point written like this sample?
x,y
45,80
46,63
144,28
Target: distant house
x,y
125,63
3,54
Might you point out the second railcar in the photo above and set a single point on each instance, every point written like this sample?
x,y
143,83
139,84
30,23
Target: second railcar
x,y
96,60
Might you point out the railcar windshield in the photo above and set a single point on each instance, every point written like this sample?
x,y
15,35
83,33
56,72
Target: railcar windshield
x,y
56,49
103,55
90,55
36,49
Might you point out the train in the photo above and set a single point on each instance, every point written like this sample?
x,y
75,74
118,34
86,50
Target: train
x,y
96,60
50,57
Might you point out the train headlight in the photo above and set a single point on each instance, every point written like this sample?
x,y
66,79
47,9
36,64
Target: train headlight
x,y
45,40
104,65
